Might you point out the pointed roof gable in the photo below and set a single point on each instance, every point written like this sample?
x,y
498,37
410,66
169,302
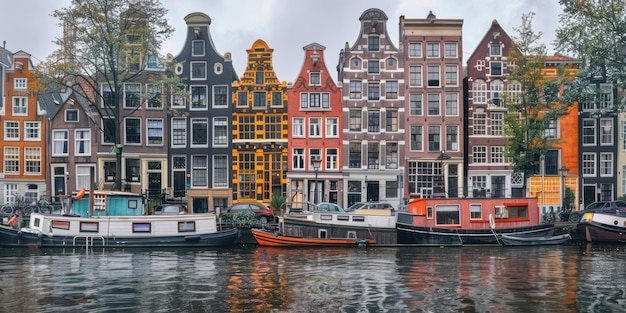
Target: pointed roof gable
x,y
495,31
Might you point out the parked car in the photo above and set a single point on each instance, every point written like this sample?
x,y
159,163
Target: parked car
x,y
262,212
170,209
330,207
611,207
371,205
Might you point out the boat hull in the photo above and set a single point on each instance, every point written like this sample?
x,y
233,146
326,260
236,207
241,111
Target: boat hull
x,y
598,227
265,238
509,240
420,235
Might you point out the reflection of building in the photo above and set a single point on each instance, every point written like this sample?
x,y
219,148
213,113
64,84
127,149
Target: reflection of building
x,y
371,76
200,143
315,132
259,148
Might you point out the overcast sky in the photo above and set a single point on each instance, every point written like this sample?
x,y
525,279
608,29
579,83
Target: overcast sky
x,y
286,25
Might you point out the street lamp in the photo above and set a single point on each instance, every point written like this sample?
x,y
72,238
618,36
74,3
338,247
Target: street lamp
x,y
316,162
563,172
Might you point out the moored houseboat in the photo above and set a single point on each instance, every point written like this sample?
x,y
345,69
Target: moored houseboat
x,y
603,227
467,221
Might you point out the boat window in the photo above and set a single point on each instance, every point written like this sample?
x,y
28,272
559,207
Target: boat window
x,y
323,234
358,218
186,227
476,212
36,222
61,225
142,227
343,218
429,213
89,227
517,211
352,234
326,217
447,214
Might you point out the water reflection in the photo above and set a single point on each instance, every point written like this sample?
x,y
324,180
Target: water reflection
x,y
248,279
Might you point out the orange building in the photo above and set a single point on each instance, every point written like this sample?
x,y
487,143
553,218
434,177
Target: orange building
x,y
23,131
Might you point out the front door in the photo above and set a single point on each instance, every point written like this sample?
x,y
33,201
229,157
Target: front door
x,y
154,185
372,191
589,194
179,184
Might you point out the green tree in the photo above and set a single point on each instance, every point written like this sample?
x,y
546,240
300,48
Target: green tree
x,y
540,101
105,44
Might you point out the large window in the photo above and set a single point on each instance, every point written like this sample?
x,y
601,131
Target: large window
x,y
496,68
451,50
298,159
332,127
298,127
606,132
606,164
415,50
497,154
314,79
315,127
354,157
198,70
373,121
132,129
373,91
220,171
32,158
246,127
199,131
32,131
391,90
373,66
452,75
60,142
391,120
259,99
479,91
452,138
373,155
589,164
155,94
497,123
589,132
479,154
448,214
415,104
452,104
110,129
179,132
155,131
199,175
220,132
415,76
198,97
132,95
220,96
355,89
416,138
391,155
479,123
433,104
332,159
133,170
11,130
20,83
315,100
432,50
20,105
434,138
197,48
82,142
355,120
433,76
11,160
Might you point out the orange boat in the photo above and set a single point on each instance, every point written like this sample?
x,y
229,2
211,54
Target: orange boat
x,y
266,238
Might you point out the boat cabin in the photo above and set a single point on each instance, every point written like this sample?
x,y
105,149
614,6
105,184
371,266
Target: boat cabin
x,y
109,203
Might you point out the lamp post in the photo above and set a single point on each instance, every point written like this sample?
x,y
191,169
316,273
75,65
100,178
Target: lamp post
x,y
316,162
563,172
542,164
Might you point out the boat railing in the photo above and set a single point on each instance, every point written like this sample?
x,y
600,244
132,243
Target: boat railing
x,y
88,240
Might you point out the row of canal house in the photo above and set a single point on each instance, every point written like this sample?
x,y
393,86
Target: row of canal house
x,y
398,121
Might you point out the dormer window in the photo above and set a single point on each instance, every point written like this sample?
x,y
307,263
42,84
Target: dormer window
x,y
197,48
314,79
495,50
373,42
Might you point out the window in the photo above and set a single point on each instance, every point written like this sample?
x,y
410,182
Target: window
x,y
589,132
479,123
391,90
476,212
132,95
198,97
450,50
314,79
132,129
220,96
433,104
152,62
220,171
197,48
108,96
179,132
355,89
246,127
434,138
11,130
479,91
108,134
550,131
452,138
415,49
452,104
452,77
332,159
259,99
416,138
32,158
479,65
199,174
314,100
373,121
373,66
199,132
32,131
606,164
20,83
415,104
109,171
332,127
606,132
433,76
298,127
391,120
60,143
242,99
20,105
432,50
589,164
373,155
373,43
391,155
354,157
155,131
496,68
82,142
496,93
277,98
447,214
497,154
155,93
260,77
497,123
355,120
514,90
220,132
495,49
298,159
479,154
415,76
315,154
11,160
198,70
71,115
315,127
373,91
133,171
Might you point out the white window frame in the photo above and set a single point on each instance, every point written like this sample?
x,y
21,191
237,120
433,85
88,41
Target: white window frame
x,y
204,168
298,158
446,50
20,106
479,91
433,53
315,79
205,105
60,143
220,181
11,128
191,73
86,141
215,102
127,92
606,164
606,132
415,49
20,83
298,127
32,159
589,164
315,127
452,70
592,136
479,154
200,121
11,160
126,132
32,131
332,159
151,129
332,127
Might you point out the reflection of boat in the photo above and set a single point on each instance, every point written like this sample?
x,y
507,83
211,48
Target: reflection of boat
x,y
602,227
509,240
266,238
463,221
377,225
115,219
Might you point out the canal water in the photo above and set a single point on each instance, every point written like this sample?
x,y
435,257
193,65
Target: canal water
x,y
569,278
